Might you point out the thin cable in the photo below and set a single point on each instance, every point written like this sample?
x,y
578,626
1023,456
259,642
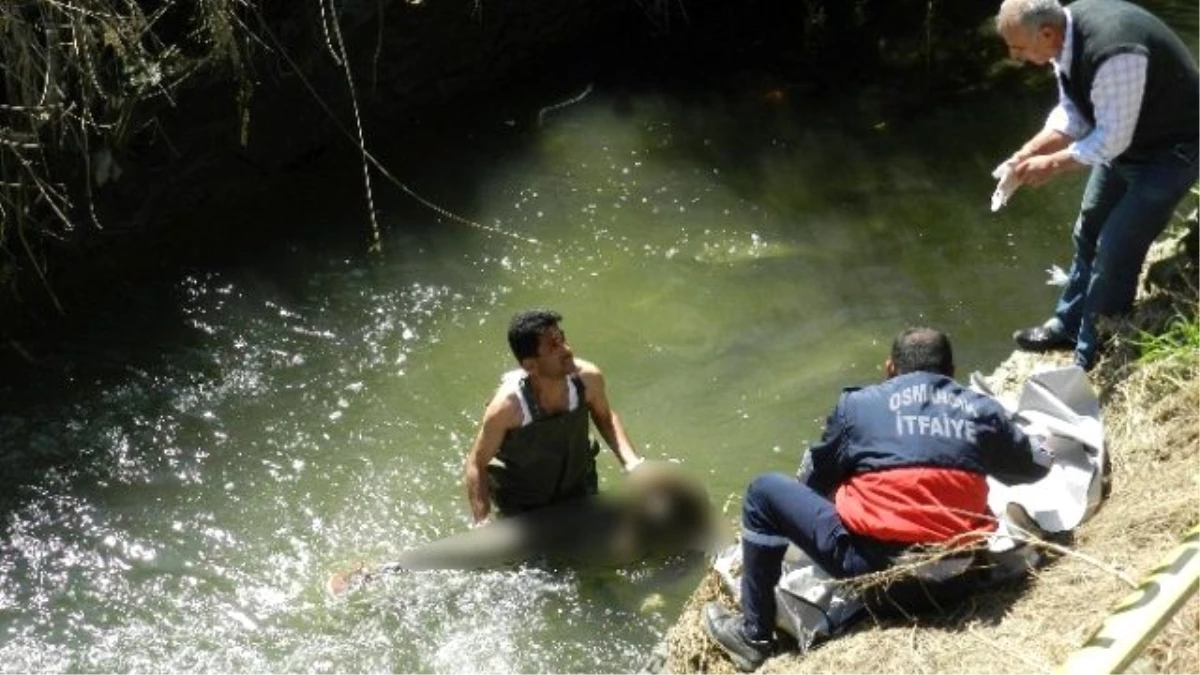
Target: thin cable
x,y
367,153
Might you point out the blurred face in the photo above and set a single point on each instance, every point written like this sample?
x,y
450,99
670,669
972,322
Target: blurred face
x,y
1032,46
554,357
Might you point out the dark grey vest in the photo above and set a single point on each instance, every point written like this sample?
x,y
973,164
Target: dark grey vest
x,y
1171,103
549,460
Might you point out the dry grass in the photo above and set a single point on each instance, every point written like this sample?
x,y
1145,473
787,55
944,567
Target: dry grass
x,y
1152,421
79,78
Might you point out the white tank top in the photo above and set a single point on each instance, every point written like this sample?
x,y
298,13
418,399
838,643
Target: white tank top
x,y
510,383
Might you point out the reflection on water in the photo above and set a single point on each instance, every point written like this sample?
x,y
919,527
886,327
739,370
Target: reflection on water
x,y
251,427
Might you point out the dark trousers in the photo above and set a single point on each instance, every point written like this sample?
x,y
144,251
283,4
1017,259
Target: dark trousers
x,y
1125,206
780,509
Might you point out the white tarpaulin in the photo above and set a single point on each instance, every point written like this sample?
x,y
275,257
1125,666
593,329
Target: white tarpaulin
x,y
1059,407
1056,407
810,604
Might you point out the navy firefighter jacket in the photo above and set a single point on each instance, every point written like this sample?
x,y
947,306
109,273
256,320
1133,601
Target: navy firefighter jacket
x,y
906,460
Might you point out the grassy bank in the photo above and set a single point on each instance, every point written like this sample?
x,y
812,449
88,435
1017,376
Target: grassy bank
x,y
1148,382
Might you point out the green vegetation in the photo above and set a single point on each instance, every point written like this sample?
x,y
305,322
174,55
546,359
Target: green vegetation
x,y
1170,345
1178,343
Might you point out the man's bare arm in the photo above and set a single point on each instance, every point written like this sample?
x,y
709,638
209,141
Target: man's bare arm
x,y
1043,157
502,414
607,422
1044,142
1038,170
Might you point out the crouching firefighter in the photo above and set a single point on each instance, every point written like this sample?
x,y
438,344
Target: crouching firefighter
x,y
900,463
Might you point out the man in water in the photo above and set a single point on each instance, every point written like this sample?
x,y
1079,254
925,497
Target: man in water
x,y
533,448
900,463
1127,108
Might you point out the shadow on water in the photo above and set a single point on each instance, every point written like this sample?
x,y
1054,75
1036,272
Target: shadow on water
x,y
144,336
139,330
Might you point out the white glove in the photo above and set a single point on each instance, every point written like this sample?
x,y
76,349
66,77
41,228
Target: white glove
x,y
1008,184
634,464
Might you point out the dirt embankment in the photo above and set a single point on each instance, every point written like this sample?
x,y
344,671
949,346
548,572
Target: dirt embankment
x,y
1151,420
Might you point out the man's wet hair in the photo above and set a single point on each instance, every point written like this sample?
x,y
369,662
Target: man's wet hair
x,y
526,327
922,349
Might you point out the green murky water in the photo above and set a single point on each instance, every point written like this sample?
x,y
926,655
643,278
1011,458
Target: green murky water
x,y
257,422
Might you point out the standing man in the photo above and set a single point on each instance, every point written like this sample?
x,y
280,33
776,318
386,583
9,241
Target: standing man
x,y
533,447
1127,108
900,463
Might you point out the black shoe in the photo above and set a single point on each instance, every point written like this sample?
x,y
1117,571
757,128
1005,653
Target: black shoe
x,y
726,630
1042,339
1086,364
